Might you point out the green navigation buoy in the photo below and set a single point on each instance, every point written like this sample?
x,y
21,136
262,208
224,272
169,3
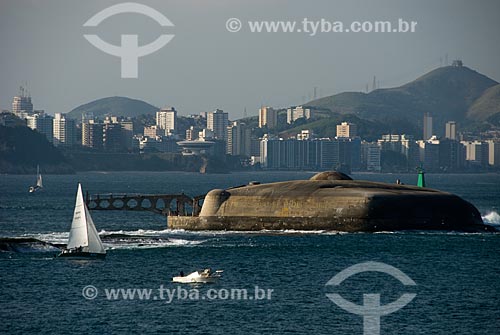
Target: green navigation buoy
x,y
421,177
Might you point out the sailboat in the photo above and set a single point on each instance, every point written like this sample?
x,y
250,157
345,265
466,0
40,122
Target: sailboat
x,y
84,241
39,183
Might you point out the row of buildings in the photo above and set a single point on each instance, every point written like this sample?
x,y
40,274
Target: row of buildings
x,y
220,136
268,116
391,151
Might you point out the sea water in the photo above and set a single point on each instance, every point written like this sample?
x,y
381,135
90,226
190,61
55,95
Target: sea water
x,y
457,275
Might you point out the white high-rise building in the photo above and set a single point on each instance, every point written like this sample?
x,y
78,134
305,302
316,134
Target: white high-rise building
x,y
42,123
476,152
494,153
21,104
64,131
268,117
166,119
218,121
238,139
92,134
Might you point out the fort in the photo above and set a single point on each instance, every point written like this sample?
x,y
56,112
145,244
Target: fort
x,y
327,201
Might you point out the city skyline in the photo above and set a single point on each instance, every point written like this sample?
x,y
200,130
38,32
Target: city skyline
x,y
57,52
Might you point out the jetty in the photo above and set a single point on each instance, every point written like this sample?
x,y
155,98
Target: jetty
x,y
164,204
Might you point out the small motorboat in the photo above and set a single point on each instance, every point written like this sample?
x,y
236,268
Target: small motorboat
x,y
200,276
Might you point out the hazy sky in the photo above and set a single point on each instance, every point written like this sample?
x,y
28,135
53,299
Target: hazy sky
x,y
206,67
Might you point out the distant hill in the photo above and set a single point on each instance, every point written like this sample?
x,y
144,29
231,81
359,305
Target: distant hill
x,y
447,92
118,106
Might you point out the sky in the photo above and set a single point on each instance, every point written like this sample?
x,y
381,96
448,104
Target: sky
x,y
205,66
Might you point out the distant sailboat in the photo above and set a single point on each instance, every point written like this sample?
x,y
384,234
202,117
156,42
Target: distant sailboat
x,y
39,183
84,241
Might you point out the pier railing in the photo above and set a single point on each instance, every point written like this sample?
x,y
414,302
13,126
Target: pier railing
x,y
164,204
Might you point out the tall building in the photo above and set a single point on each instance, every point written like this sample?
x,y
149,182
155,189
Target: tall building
x,y
166,119
451,130
348,130
42,123
217,121
295,113
21,104
64,131
494,153
112,138
451,155
427,126
128,133
370,156
238,139
429,154
92,134
350,153
476,153
268,117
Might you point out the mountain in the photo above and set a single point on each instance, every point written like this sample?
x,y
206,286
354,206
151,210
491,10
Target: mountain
x,y
447,92
487,105
118,106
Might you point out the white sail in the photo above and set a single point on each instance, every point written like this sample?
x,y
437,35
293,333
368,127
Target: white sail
x,y
78,236
94,241
39,182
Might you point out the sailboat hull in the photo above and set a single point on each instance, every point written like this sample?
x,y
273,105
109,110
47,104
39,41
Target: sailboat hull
x,y
34,189
81,255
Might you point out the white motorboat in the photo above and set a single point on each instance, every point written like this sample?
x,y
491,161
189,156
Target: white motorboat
x,y
200,276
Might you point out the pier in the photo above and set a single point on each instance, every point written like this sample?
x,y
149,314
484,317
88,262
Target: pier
x,y
164,204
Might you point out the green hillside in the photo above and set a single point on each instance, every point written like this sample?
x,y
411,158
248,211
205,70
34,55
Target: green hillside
x,y
117,106
487,105
22,149
369,130
446,92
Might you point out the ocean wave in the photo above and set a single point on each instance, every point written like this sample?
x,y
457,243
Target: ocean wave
x,y
25,245
149,243
492,218
112,240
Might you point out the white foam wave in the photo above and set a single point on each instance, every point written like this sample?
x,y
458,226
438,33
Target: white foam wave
x,y
151,244
54,237
492,218
134,239
139,232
